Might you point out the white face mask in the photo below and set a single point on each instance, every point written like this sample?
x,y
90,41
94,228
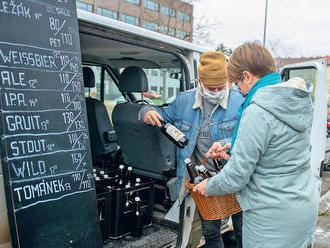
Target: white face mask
x,y
212,97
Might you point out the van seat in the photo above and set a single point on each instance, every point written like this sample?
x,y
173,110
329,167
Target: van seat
x,y
143,147
103,139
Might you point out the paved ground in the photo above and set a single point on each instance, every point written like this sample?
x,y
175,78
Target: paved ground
x,y
322,234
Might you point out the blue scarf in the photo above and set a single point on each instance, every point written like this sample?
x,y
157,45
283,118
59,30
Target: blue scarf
x,y
270,79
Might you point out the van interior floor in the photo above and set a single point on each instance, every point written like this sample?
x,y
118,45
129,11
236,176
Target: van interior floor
x,y
154,236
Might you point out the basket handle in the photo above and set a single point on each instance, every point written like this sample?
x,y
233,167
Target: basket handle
x,y
214,161
204,161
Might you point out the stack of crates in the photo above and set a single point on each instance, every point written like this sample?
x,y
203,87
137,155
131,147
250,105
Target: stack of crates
x,y
116,220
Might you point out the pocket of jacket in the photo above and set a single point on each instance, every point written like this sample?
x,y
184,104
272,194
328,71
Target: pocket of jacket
x,y
182,126
227,128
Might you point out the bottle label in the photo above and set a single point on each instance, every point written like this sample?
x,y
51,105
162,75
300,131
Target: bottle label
x,y
175,133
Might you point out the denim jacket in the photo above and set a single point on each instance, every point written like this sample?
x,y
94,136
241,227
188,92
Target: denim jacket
x,y
185,112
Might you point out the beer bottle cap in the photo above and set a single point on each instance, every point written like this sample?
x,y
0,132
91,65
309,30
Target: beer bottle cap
x,y
137,198
187,161
129,168
95,175
97,178
101,172
105,176
121,166
138,180
94,170
128,185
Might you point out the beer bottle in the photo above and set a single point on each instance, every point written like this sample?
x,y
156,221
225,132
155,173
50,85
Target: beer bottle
x,y
194,176
174,134
98,183
107,182
137,181
217,165
137,228
120,181
203,171
128,202
129,175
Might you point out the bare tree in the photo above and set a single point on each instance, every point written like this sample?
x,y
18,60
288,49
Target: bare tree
x,y
278,49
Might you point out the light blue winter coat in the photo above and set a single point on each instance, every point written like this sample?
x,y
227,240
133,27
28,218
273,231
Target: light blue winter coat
x,y
270,170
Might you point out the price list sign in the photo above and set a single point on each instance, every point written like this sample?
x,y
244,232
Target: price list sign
x,y
45,153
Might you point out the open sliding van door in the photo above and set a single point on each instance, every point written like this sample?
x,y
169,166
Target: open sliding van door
x,y
314,72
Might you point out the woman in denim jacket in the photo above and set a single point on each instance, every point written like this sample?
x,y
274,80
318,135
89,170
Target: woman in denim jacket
x,y
206,115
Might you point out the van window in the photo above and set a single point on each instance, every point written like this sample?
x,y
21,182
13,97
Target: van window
x,y
162,88
308,74
112,95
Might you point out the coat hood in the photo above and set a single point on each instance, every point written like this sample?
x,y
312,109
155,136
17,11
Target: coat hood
x,y
290,102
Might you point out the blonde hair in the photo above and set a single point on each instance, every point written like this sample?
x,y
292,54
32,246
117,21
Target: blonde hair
x,y
250,57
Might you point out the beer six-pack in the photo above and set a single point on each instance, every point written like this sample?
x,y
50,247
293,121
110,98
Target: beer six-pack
x,y
125,202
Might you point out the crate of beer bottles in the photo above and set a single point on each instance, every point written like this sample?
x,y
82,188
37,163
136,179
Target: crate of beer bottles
x,y
105,209
133,207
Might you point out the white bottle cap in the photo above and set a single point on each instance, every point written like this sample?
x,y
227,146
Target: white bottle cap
x,y
187,161
94,170
128,185
101,172
95,175
105,176
137,198
138,180
129,168
97,179
121,166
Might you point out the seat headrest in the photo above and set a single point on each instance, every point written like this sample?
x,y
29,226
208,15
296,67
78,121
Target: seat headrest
x,y
133,79
89,78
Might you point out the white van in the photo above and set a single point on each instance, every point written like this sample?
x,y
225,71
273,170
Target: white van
x,y
314,72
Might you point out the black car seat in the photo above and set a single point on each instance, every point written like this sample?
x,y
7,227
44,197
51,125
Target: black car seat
x,y
143,147
103,139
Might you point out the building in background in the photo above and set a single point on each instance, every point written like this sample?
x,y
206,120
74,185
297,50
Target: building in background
x,y
170,17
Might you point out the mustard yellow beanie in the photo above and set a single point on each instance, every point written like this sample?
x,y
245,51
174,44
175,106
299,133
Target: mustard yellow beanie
x,y
212,68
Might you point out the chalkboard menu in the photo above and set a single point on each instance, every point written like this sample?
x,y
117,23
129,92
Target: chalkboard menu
x,y
45,150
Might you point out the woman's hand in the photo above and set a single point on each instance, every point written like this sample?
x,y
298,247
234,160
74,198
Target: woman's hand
x,y
217,151
201,188
213,151
224,152
152,117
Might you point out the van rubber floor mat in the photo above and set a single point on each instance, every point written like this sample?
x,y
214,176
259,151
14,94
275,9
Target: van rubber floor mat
x,y
153,237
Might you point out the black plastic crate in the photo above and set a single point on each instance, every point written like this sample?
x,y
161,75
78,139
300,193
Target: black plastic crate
x,y
105,209
122,219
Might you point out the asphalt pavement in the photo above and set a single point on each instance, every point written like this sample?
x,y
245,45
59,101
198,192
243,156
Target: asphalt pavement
x,y
322,233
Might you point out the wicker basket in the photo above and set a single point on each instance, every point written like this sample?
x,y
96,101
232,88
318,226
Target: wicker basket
x,y
214,207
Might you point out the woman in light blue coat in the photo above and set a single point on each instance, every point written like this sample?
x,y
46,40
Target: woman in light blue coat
x,y
269,168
